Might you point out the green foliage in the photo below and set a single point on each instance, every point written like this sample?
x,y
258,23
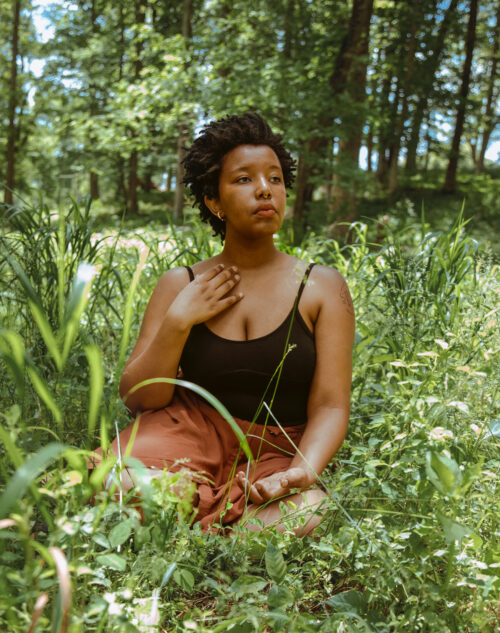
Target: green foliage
x,y
408,540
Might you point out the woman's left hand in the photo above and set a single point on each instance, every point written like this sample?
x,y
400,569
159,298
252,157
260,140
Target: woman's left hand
x,y
276,485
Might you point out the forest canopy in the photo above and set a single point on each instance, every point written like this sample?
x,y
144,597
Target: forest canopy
x,y
100,97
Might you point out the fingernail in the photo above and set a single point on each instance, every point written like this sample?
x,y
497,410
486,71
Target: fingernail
x,y
237,277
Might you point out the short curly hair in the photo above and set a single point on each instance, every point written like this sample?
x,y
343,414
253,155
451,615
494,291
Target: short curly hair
x,y
203,160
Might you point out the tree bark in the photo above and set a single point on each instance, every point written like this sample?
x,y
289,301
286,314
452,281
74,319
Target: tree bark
x,y
303,188
94,185
181,140
386,136
410,66
12,132
349,76
383,130
426,76
179,174
93,175
451,171
489,114
133,162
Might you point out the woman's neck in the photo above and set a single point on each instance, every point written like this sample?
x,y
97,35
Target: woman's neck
x,y
251,255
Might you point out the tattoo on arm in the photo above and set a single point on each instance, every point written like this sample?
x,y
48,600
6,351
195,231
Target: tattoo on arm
x,y
346,298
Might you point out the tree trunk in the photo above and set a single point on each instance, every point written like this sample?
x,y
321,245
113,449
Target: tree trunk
x,y
179,174
383,131
489,114
132,203
410,65
133,162
314,151
426,77
451,172
386,138
349,76
369,149
94,185
181,141
92,141
12,132
303,191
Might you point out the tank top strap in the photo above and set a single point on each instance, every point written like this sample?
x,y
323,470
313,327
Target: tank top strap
x,y
303,282
190,272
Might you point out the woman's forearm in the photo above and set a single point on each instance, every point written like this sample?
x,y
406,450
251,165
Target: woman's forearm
x,y
159,359
325,431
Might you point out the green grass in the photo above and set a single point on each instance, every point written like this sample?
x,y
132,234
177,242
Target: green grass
x,y
409,540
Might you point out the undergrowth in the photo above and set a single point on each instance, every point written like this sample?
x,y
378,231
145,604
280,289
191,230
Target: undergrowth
x,y
408,543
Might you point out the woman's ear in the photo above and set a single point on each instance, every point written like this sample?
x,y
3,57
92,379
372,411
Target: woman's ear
x,y
213,206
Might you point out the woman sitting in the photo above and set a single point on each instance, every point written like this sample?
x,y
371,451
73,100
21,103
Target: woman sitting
x,y
266,333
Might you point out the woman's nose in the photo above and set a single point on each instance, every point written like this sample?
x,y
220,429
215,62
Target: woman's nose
x,y
263,189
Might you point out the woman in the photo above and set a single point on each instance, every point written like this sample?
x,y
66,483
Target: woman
x,y
260,329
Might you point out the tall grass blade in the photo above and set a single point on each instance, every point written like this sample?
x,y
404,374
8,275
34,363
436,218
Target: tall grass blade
x,y
45,395
26,474
76,305
94,358
12,352
216,404
127,318
63,604
46,332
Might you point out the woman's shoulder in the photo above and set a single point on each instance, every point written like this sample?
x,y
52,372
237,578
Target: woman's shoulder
x,y
325,278
327,290
173,278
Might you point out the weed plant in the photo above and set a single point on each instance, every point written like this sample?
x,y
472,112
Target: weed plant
x,y
408,543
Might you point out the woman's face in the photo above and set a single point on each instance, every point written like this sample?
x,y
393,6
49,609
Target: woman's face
x,y
252,192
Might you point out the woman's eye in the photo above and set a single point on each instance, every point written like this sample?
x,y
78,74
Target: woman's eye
x,y
243,179
275,179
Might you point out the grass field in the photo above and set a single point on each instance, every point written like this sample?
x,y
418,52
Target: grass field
x,y
410,542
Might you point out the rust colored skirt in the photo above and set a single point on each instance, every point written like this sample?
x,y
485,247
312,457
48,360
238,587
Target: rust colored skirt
x,y
190,429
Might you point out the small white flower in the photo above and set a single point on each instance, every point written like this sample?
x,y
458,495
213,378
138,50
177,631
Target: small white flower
x,y
440,433
85,273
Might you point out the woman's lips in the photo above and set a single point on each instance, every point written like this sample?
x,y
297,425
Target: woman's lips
x,y
265,213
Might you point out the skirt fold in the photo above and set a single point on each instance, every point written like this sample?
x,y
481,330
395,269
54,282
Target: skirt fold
x,y
191,434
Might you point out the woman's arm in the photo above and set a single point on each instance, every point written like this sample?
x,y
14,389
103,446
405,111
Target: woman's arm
x,y
329,398
175,306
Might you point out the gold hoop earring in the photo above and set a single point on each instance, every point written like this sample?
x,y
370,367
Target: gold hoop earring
x,y
220,216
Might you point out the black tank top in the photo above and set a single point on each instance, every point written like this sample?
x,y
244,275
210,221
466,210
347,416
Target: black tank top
x,y
242,374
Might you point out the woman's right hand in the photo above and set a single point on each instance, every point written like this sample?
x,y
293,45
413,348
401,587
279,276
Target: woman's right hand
x,y
205,297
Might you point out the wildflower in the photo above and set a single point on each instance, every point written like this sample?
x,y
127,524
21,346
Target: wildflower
x,y
440,433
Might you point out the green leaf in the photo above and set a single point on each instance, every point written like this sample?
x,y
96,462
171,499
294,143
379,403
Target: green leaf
x,y
26,474
443,472
493,429
101,540
46,332
45,395
76,305
453,531
349,602
94,358
275,563
12,350
247,583
113,561
185,579
120,533
279,597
